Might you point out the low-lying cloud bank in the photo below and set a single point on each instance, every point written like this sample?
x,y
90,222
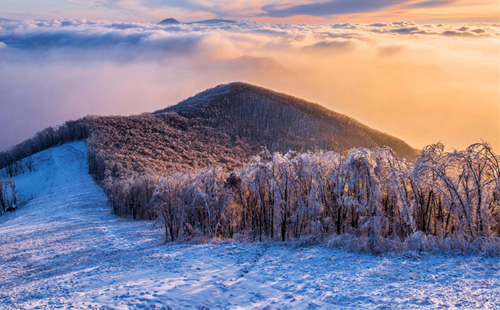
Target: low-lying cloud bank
x,y
423,83
84,34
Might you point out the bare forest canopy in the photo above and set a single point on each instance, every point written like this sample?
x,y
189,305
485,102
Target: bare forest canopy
x,y
212,166
281,122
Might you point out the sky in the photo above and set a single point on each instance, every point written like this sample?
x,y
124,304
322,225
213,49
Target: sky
x,y
451,11
424,71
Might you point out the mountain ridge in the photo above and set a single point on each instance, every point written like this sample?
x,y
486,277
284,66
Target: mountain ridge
x,y
173,21
223,126
194,106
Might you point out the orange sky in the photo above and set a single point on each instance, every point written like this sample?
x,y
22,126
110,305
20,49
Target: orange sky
x,y
449,11
458,11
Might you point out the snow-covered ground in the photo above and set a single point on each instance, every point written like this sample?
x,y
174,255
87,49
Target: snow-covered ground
x,y
64,249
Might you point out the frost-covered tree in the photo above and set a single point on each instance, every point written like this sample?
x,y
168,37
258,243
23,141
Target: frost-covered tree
x,y
8,196
370,194
465,184
169,202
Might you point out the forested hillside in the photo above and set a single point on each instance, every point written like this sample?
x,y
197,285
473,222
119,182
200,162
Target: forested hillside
x,y
226,126
162,143
281,122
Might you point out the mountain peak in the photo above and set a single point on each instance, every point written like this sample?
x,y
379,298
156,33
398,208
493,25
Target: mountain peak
x,y
169,21
208,95
281,122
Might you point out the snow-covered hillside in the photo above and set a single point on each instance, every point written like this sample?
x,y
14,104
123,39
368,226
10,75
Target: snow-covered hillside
x,y
63,249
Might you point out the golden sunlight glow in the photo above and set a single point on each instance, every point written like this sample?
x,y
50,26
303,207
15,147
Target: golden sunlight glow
x,y
423,89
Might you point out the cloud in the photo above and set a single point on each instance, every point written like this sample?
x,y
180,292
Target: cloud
x,y
93,36
466,32
328,8
479,31
119,41
456,33
333,45
402,23
406,30
185,10
391,50
378,25
344,26
410,28
429,4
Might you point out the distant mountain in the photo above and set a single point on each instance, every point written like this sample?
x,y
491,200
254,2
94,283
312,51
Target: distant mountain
x,y
213,21
173,21
260,70
169,21
8,20
256,66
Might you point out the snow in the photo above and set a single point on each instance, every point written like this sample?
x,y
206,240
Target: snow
x,y
64,249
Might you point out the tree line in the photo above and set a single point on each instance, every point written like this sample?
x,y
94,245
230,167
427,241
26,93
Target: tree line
x,y
17,160
369,194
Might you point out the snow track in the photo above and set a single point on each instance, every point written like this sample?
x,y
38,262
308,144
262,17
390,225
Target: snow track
x,y
64,249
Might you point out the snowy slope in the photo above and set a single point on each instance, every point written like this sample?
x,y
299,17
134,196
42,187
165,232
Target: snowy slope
x,y
64,249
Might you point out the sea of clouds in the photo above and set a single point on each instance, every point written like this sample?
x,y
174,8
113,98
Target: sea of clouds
x,y
422,83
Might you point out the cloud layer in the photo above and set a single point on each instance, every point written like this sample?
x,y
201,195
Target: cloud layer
x,y
326,8
421,82
91,35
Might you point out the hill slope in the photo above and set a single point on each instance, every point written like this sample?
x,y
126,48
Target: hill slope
x,y
223,126
281,122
